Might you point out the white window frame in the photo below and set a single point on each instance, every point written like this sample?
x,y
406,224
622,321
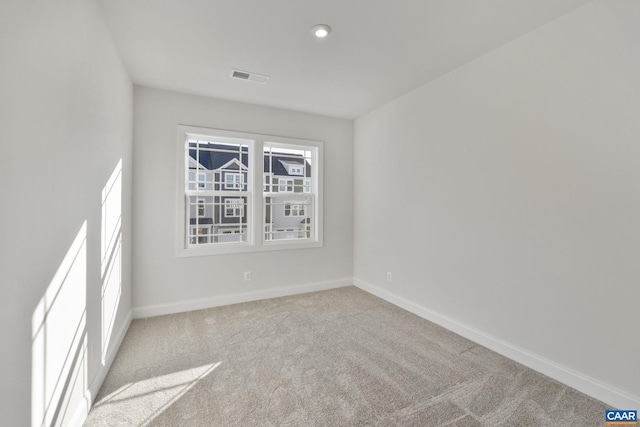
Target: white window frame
x,y
254,191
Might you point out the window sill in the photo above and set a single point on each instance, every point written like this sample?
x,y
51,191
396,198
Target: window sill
x,y
241,248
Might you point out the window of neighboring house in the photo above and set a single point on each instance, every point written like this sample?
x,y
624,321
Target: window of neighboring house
x,y
295,171
215,203
293,209
200,235
201,208
233,181
233,208
285,185
202,178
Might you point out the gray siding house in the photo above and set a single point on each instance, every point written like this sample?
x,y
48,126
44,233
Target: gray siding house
x,y
223,218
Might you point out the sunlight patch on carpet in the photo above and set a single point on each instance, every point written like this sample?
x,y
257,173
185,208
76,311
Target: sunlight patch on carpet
x,y
139,403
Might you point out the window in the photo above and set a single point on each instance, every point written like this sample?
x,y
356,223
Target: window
x,y
233,181
200,179
201,209
199,235
208,207
292,217
229,199
285,185
233,208
293,209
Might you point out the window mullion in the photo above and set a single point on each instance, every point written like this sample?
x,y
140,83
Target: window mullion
x,y
256,160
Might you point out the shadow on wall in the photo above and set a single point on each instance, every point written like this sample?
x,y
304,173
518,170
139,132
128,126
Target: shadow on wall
x,y
59,349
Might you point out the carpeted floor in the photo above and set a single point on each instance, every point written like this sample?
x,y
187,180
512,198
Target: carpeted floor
x,y
331,358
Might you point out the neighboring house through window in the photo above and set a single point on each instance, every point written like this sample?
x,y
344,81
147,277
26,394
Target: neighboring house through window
x,y
231,199
294,169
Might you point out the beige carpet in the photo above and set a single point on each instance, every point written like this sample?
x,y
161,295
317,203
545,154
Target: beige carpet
x,y
333,358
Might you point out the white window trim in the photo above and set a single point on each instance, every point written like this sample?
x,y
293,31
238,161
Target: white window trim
x,y
254,211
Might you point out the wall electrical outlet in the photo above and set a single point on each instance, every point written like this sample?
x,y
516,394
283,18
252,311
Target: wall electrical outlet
x,y
389,278
247,276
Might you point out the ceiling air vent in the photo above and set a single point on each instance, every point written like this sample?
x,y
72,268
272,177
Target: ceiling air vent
x,y
246,75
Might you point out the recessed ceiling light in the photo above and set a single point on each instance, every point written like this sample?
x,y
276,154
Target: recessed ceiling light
x,y
321,31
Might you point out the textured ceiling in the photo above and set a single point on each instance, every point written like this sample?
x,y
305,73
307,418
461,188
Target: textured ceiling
x,y
378,50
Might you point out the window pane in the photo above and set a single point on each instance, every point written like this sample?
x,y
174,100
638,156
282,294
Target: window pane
x,y
287,218
216,219
200,211
290,169
217,166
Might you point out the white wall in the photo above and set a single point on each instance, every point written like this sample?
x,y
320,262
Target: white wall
x,y
65,124
165,283
505,196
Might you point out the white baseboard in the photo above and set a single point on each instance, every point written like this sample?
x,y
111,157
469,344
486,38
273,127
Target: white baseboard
x,y
589,386
199,304
98,379
80,414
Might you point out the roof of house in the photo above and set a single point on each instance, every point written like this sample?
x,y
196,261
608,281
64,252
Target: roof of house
x,y
213,160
